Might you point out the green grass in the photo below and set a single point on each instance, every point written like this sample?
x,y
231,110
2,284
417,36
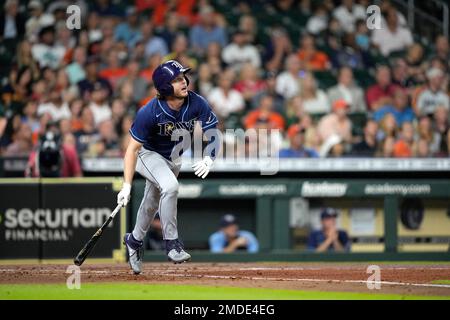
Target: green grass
x,y
121,291
440,281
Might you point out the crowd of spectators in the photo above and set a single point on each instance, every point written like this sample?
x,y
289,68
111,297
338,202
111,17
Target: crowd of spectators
x,y
310,81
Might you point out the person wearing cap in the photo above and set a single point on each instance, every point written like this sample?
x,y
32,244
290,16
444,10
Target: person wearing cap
x,y
296,135
230,239
86,86
433,96
336,123
329,238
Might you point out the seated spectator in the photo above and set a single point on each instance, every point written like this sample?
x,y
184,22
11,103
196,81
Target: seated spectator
x,y
270,81
441,126
294,110
318,22
88,134
153,44
240,51
329,238
206,31
288,82
399,108
296,135
442,50
108,144
403,147
433,96
76,107
387,147
350,54
380,94
38,19
387,127
393,37
348,13
249,84
171,28
86,86
30,117
114,70
336,123
312,59
249,25
224,99
56,108
75,70
426,133
128,31
230,239
362,38
22,142
422,149
12,24
368,146
347,89
45,51
400,74
99,105
133,77
204,82
264,116
180,47
314,99
415,61
277,49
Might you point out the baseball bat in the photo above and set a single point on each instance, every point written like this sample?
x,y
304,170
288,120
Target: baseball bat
x,y
84,252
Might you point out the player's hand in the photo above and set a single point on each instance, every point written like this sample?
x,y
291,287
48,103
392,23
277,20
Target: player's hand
x,y
241,241
124,195
202,167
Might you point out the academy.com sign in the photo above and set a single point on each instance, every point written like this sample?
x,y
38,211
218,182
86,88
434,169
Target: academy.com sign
x,y
50,225
403,189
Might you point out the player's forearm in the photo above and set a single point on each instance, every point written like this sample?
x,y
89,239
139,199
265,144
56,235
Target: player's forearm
x,y
130,162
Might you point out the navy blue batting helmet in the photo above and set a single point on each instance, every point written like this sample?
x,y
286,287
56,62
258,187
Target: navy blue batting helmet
x,y
165,73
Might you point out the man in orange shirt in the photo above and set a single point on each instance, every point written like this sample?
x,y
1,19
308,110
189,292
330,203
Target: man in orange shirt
x,y
313,59
264,117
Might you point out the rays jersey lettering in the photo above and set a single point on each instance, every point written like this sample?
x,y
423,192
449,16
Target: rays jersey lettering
x,y
155,122
167,128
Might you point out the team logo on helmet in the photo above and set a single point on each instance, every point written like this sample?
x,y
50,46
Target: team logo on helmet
x,y
165,74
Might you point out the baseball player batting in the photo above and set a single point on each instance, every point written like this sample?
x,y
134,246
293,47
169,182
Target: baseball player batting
x,y
150,153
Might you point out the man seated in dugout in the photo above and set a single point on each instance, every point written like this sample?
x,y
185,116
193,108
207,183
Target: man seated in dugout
x,y
230,239
329,238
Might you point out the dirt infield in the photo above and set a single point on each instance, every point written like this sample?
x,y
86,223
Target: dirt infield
x,y
404,279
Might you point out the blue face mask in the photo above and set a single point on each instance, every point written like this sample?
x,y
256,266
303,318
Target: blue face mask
x,y
362,41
